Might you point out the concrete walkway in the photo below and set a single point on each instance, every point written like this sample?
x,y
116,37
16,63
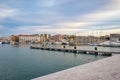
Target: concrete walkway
x,y
104,69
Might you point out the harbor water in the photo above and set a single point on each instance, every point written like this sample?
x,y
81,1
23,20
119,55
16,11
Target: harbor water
x,y
23,63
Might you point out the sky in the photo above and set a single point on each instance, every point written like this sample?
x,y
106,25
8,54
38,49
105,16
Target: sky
x,y
80,17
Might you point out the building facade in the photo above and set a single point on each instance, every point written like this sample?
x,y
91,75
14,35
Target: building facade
x,y
35,38
57,37
115,37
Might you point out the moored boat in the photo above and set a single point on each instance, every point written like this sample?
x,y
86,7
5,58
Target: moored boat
x,y
4,42
110,44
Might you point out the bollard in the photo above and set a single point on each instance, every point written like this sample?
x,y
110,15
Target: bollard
x,y
74,47
95,48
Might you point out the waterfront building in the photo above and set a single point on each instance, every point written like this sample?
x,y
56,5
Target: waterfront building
x,y
70,38
57,37
14,39
23,38
115,37
43,38
35,38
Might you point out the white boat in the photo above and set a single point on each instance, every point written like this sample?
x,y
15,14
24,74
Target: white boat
x,y
110,43
94,44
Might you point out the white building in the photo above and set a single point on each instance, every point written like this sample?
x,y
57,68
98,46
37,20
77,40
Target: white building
x,y
115,37
35,38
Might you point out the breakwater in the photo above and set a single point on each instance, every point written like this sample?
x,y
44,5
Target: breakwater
x,y
75,50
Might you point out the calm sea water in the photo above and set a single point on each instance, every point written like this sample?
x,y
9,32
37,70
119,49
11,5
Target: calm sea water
x,y
23,63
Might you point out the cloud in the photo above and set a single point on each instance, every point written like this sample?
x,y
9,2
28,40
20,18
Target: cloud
x,y
93,19
63,16
5,13
110,29
109,12
54,11
43,29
